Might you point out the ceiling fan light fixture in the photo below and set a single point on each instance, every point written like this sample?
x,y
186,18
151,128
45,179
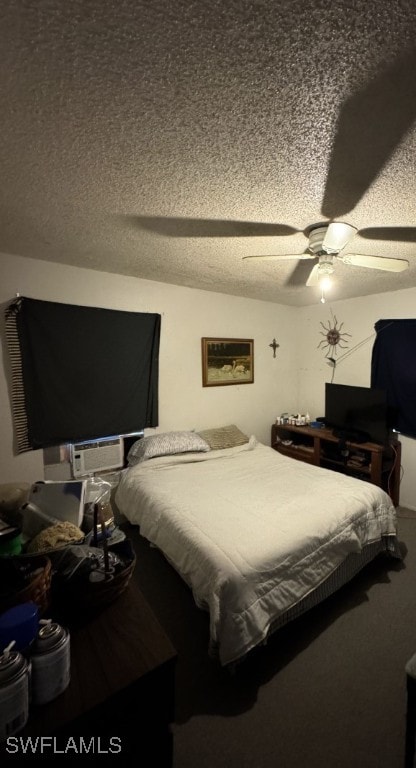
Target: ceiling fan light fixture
x,y
325,247
325,285
325,267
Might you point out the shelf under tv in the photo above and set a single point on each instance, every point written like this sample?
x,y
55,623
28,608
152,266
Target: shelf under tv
x,y
379,464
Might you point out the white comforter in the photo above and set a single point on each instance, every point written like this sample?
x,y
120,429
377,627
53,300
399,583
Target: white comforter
x,y
252,532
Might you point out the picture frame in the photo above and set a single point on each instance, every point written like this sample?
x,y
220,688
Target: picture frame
x,y
227,361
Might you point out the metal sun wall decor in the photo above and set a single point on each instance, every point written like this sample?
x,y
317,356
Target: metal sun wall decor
x,y
334,337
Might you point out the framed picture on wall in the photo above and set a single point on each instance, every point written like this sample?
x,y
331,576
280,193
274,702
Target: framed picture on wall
x,y
227,361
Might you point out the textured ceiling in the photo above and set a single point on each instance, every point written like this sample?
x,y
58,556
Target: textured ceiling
x,y
167,140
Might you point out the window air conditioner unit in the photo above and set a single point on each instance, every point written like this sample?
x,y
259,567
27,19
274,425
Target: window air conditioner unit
x,y
96,455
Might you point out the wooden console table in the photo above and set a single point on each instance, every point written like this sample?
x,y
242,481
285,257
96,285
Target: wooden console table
x,y
379,464
122,685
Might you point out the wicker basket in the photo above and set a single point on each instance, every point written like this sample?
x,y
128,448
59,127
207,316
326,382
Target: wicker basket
x,y
99,594
80,596
38,586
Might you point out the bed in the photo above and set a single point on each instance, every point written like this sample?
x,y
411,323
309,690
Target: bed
x,y
257,536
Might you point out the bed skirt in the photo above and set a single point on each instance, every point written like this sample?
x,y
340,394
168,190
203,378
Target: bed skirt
x,y
346,571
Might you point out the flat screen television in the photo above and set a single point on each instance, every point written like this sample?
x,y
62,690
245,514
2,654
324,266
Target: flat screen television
x,y
358,414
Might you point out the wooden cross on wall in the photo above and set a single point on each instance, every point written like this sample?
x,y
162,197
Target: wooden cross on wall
x,y
274,345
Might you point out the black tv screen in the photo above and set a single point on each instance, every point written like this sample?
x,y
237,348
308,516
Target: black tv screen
x,y
357,413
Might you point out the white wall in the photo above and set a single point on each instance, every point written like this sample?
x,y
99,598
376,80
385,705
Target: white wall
x,y
187,316
293,381
358,317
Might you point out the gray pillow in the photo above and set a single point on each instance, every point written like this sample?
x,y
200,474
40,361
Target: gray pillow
x,y
165,444
224,437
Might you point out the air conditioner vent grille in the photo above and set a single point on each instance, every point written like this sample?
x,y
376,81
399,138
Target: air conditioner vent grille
x,y
96,455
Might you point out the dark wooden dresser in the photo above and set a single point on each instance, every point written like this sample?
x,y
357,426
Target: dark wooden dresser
x,y
122,686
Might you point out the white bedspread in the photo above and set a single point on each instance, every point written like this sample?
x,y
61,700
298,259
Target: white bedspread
x,y
252,532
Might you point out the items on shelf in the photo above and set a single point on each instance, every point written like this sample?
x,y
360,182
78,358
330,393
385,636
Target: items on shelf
x,y
76,570
61,566
299,420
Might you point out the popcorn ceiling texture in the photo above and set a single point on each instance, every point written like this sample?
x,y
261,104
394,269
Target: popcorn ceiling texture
x,y
148,138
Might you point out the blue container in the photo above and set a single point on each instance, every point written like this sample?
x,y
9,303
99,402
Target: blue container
x,y
21,624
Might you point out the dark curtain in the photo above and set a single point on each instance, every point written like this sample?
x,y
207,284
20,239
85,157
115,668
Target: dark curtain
x,y
393,368
86,372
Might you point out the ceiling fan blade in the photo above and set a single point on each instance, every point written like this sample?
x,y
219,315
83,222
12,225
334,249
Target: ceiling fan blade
x,y
283,257
337,236
397,234
313,278
370,126
181,227
299,274
375,262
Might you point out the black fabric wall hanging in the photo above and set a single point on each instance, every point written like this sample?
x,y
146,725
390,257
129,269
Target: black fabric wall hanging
x,y
393,368
79,373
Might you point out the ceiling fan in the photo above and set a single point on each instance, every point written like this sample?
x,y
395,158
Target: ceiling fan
x,y
364,113
326,245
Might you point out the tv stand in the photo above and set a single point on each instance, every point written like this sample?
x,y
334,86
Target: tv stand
x,y
353,436
378,464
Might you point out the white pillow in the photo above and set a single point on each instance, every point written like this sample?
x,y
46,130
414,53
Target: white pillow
x,y
165,444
